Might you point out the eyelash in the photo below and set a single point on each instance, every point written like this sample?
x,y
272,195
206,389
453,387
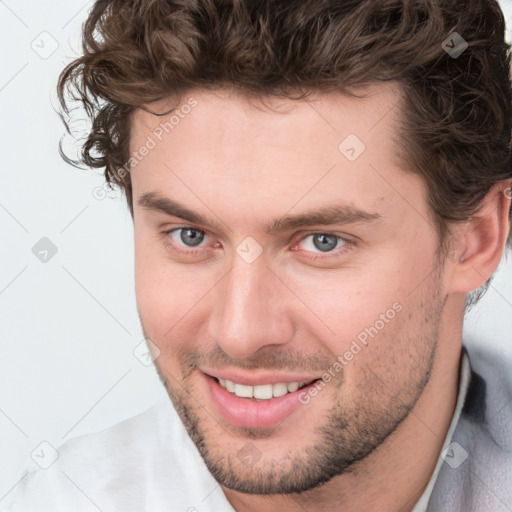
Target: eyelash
x,y
347,244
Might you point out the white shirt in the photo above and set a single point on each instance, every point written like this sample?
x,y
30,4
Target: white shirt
x,y
146,463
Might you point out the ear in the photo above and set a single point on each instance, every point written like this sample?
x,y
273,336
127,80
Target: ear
x,y
480,242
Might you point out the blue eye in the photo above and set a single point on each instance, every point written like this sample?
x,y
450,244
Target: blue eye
x,y
188,242
323,242
189,236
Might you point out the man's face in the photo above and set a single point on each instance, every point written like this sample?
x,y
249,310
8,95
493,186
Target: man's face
x,y
259,302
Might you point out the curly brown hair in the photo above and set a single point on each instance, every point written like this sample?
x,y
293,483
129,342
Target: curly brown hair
x,y
456,118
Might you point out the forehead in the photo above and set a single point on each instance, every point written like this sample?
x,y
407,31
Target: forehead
x,y
226,115
240,133
244,155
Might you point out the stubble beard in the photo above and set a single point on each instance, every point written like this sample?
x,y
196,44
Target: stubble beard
x,y
347,435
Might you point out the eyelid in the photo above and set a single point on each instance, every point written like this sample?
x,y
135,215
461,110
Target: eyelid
x,y
304,234
296,238
347,240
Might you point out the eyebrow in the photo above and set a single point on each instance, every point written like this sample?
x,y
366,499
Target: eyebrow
x,y
328,215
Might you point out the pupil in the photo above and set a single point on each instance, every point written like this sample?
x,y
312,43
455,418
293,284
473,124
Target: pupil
x,y
191,236
325,242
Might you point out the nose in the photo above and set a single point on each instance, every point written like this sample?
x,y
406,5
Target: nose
x,y
250,310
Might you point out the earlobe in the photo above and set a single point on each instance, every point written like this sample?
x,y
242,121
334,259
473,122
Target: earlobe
x,y
480,242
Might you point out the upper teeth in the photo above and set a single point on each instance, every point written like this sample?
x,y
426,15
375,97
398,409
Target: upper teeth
x,y
262,392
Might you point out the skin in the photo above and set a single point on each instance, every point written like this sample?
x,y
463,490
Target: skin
x,y
373,434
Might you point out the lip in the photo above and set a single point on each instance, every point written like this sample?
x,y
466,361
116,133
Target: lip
x,y
259,379
244,412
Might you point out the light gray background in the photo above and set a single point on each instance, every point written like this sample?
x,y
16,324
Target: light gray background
x,y
69,326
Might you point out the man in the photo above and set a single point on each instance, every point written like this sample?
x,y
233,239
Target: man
x,y
317,188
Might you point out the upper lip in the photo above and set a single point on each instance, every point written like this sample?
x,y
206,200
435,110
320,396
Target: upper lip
x,y
258,379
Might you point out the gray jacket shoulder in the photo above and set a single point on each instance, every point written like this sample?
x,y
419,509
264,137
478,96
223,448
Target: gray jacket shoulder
x,y
478,474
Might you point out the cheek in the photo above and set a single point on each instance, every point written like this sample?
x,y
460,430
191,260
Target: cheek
x,y
373,303
168,294
156,300
347,302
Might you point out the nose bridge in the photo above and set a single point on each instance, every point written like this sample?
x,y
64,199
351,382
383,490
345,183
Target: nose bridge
x,y
249,311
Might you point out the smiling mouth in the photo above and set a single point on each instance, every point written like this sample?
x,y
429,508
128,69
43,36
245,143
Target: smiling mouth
x,y
262,391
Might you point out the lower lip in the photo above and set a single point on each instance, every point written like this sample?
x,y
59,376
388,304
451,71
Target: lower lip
x,y
244,412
